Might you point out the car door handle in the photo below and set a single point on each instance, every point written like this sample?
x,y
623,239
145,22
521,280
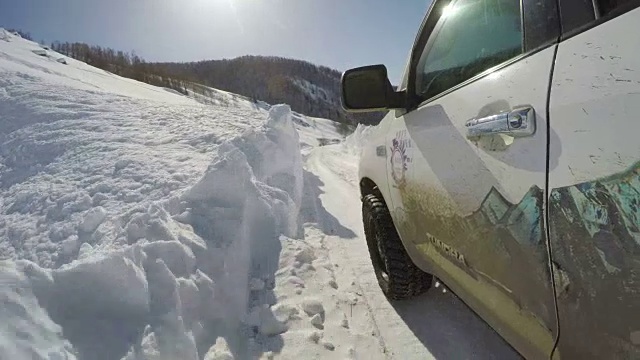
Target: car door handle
x,y
517,123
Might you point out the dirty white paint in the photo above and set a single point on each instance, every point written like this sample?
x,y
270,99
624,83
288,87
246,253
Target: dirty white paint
x,y
594,180
431,142
595,103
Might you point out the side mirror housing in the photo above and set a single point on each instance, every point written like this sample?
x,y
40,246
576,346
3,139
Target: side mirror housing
x,y
368,88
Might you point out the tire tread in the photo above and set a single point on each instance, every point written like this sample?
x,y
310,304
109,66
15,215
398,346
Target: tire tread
x,y
405,279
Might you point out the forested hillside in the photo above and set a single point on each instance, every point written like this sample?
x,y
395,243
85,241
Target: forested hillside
x,y
123,64
309,89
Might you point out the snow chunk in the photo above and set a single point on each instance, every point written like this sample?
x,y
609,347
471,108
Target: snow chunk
x,y
160,344
312,306
296,281
285,312
152,223
148,349
225,180
219,351
317,321
173,340
98,198
269,355
26,331
315,336
178,258
329,346
305,268
84,251
40,52
345,322
268,325
209,309
163,292
189,301
108,283
70,246
305,256
333,283
92,219
41,279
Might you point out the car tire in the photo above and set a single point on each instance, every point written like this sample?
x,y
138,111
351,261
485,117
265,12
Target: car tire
x,y
398,277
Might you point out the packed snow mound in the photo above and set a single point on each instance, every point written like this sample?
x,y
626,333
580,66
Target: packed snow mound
x,y
188,262
354,142
146,218
85,154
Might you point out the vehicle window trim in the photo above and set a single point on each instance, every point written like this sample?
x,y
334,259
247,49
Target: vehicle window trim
x,y
428,24
485,73
552,22
523,29
428,44
620,10
414,101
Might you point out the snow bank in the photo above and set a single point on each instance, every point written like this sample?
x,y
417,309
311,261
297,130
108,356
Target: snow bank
x,y
139,224
248,197
183,268
354,142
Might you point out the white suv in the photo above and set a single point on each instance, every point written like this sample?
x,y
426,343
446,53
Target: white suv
x,y
509,168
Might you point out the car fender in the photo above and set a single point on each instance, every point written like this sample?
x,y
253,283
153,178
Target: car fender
x,y
373,158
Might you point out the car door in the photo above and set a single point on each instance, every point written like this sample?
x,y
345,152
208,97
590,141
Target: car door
x,y
594,180
468,162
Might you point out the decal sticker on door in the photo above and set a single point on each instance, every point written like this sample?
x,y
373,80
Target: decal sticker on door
x,y
400,158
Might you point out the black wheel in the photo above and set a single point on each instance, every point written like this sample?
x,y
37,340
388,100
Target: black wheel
x,y
397,275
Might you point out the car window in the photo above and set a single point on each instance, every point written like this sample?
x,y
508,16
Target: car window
x,y
580,15
607,6
470,37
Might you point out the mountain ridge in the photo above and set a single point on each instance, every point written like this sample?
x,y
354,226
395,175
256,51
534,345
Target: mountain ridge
x,y
310,89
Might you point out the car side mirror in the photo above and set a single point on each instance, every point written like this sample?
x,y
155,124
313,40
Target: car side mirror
x,y
368,88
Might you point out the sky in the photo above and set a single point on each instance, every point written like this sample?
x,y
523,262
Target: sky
x,y
337,33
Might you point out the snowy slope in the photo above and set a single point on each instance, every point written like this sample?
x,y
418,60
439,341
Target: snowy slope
x,y
137,223
315,92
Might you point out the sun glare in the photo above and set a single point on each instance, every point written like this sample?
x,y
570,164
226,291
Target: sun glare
x,y
448,10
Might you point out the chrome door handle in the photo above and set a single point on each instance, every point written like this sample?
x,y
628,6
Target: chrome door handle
x,y
517,123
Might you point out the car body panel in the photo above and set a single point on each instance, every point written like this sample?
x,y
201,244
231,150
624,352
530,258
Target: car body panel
x,y
476,214
373,162
471,211
594,177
